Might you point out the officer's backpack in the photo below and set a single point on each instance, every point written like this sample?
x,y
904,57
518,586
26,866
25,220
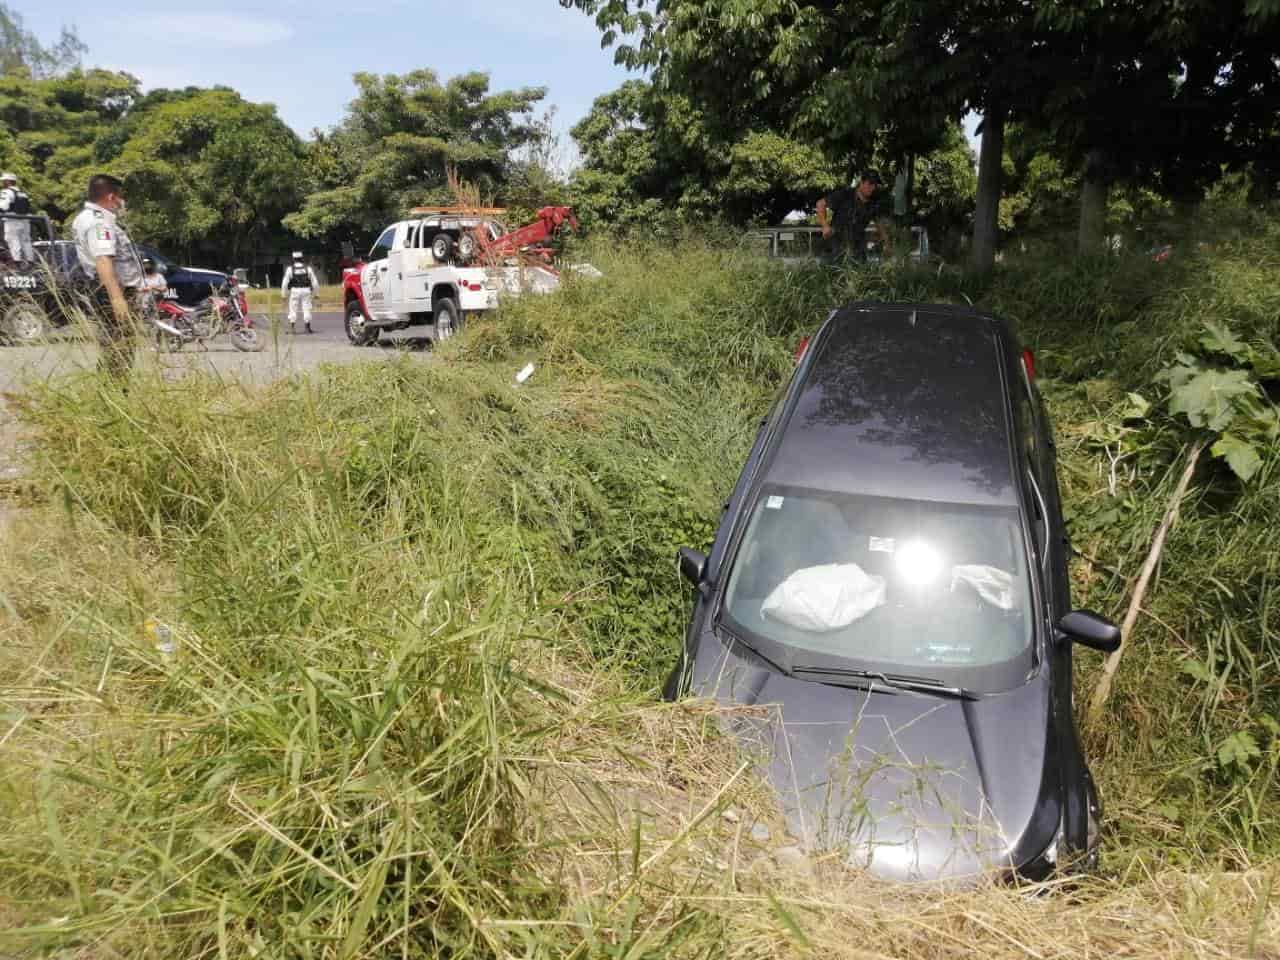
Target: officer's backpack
x,y
21,203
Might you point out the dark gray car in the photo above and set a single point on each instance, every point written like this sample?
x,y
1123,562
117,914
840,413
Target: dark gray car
x,y
891,574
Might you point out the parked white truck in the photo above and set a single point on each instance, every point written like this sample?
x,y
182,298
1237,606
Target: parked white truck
x,y
403,284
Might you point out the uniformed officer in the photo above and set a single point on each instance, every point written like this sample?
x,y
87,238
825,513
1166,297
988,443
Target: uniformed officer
x,y
107,254
300,285
17,233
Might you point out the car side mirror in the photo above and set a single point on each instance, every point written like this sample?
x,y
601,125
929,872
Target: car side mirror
x,y
693,565
1091,630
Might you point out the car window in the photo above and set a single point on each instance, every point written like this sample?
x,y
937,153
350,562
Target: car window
x,y
900,586
384,244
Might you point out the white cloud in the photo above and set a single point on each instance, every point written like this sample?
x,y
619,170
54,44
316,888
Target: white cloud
x,y
209,31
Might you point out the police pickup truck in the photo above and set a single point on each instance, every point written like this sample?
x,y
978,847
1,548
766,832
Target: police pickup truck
x,y
45,293
403,285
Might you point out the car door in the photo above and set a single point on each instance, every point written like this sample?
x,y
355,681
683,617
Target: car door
x,y
374,279
398,263
417,262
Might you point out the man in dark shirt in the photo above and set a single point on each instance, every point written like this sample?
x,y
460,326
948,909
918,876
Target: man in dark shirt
x,y
852,209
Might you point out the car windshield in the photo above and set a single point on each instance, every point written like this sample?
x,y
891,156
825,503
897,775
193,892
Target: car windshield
x,y
905,587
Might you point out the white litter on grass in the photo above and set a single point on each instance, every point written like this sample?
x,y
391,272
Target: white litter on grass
x,y
525,373
825,597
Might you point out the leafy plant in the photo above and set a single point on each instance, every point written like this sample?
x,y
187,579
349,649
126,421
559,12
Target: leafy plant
x,y
1218,393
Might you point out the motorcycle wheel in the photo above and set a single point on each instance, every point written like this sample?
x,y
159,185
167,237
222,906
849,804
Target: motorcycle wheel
x,y
168,343
246,339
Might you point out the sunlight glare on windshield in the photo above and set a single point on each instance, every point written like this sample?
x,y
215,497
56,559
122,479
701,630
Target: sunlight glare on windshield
x,y
917,562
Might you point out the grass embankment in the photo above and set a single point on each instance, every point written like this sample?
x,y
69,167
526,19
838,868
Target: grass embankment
x,y
419,612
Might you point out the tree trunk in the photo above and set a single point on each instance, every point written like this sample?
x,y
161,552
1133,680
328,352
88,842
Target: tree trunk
x,y
986,218
1093,205
911,186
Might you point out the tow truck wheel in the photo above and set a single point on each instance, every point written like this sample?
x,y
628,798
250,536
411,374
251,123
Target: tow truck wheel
x,y
466,247
25,322
447,318
442,247
358,330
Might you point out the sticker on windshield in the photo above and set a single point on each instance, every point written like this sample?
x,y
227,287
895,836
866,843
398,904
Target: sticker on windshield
x,y
881,544
774,503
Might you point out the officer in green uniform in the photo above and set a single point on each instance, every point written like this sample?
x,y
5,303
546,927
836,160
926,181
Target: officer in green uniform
x,y
107,255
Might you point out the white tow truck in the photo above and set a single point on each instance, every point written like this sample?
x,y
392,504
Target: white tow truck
x,y
405,284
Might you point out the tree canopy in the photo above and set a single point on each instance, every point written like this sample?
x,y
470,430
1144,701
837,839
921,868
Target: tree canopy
x,y
204,167
649,158
399,136
1122,89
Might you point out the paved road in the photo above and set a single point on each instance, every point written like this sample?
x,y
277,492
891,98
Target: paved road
x,y
70,350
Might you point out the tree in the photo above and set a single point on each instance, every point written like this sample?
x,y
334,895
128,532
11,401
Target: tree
x,y
851,75
206,169
50,127
650,160
1164,94
946,184
400,133
22,53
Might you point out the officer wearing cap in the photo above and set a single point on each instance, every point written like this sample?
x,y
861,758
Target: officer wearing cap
x,y
299,285
852,209
17,233
107,255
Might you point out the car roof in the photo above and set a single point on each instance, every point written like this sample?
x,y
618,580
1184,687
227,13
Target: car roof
x,y
901,400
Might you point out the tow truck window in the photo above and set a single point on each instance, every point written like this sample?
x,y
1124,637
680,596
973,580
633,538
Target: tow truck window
x,y
384,244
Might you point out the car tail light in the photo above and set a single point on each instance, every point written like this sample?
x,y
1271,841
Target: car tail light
x,y
1029,364
801,347
473,286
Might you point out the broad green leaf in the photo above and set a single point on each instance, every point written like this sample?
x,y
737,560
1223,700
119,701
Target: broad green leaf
x,y
1241,455
1197,669
1237,750
1265,362
1220,339
1208,398
1136,407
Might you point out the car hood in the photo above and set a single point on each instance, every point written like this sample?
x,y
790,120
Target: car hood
x,y
911,787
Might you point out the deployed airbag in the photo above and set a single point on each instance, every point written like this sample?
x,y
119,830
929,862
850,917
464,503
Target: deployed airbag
x,y
825,597
993,584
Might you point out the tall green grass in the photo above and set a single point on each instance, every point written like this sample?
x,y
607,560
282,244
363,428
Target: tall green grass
x,y
420,611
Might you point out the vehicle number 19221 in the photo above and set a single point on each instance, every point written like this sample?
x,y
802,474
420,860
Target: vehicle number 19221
x,y
19,283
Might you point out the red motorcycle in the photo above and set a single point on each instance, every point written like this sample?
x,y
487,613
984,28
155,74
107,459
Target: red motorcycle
x,y
225,311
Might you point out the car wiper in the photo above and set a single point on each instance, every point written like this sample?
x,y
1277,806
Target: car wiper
x,y
754,650
868,679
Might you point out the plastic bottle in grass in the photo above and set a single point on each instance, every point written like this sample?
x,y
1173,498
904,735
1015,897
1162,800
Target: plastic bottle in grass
x,y
161,636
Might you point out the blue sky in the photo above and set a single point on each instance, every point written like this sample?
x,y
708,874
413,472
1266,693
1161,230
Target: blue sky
x,y
300,54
